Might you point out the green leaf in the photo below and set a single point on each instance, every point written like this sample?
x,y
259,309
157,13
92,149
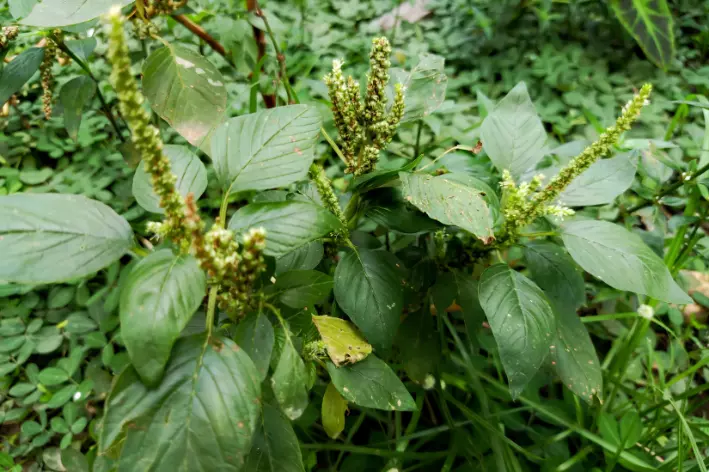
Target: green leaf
x,y
602,182
79,323
159,297
53,376
379,178
371,384
62,396
187,91
11,343
47,238
189,170
650,23
387,208
301,288
522,322
201,417
82,47
419,346
512,134
18,71
621,259
449,201
21,389
304,258
344,343
254,334
425,87
574,358
369,286
289,225
31,428
275,447
268,149
51,13
289,381
333,411
21,8
73,460
557,274
74,96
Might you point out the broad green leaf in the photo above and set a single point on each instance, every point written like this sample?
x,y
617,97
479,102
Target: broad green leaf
x,y
449,201
650,23
379,178
512,134
387,208
372,384
289,225
53,13
48,238
18,71
574,358
289,381
522,322
344,342
621,259
602,182
304,258
191,178
333,411
82,47
557,274
21,8
254,334
268,149
74,96
419,346
159,297
369,286
275,447
187,91
202,416
425,87
301,288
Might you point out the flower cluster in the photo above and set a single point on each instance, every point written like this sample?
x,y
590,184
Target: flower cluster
x,y
525,203
234,268
145,136
45,70
7,34
327,195
365,129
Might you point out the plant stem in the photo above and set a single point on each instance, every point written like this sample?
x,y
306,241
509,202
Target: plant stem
x,y
104,105
673,187
418,139
292,98
376,452
206,37
211,308
333,145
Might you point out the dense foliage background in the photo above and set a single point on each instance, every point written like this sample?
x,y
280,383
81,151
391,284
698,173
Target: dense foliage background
x,y
61,347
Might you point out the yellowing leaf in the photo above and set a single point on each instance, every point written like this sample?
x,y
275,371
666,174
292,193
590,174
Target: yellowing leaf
x,y
333,411
345,344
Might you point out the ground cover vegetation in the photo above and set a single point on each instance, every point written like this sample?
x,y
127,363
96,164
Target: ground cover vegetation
x,y
354,235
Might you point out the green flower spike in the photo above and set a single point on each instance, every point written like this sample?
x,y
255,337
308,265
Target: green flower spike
x,y
365,129
45,71
524,204
145,136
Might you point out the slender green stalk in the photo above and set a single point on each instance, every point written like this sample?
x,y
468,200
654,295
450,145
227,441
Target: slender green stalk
x,y
375,452
211,308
